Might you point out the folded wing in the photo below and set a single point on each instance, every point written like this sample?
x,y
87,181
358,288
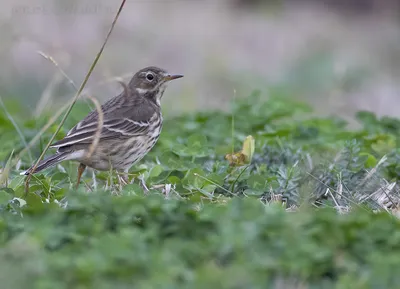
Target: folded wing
x,y
84,132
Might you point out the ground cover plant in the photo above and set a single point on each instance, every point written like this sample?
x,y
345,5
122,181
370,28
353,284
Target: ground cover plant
x,y
314,208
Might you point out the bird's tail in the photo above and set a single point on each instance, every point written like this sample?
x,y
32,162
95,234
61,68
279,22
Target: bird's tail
x,y
47,162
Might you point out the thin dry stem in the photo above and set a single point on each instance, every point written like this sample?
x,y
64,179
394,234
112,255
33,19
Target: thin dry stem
x,y
379,195
373,170
341,195
214,183
52,60
328,191
78,93
115,78
100,122
124,86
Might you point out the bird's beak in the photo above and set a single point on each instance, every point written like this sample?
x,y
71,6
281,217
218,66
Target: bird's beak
x,y
172,77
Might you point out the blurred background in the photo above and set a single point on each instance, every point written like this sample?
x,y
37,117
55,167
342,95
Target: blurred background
x,y
339,55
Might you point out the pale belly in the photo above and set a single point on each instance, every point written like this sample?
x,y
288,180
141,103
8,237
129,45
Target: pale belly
x,y
120,156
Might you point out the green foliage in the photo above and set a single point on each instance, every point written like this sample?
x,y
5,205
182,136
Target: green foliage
x,y
103,241
207,224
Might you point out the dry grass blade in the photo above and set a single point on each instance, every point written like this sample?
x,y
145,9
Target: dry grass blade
x,y
118,78
52,60
381,196
78,93
373,170
332,189
100,122
337,206
212,182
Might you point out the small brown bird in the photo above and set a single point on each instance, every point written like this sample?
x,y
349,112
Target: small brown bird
x,y
132,123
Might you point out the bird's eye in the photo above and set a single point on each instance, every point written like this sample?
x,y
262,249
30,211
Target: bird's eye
x,y
149,76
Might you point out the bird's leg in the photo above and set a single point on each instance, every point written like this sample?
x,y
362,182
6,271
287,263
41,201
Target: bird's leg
x,y
81,169
143,183
123,178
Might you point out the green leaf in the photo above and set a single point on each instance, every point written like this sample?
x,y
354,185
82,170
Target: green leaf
x,y
370,160
6,194
197,141
34,204
132,189
155,171
257,182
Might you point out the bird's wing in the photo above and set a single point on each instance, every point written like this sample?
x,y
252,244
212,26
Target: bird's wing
x,y
123,117
112,128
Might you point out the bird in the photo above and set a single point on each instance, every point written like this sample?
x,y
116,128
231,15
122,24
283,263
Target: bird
x,y
131,126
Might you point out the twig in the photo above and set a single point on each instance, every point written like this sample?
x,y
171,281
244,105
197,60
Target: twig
x,y
78,93
100,122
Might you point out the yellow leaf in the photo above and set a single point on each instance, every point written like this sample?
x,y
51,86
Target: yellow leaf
x,y
245,155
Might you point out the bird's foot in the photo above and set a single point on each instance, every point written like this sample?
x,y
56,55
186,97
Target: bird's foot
x,y
123,180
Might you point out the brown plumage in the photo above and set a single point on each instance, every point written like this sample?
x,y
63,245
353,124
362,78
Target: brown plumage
x,y
132,123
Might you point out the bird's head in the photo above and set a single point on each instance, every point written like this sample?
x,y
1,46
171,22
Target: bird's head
x,y
151,82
